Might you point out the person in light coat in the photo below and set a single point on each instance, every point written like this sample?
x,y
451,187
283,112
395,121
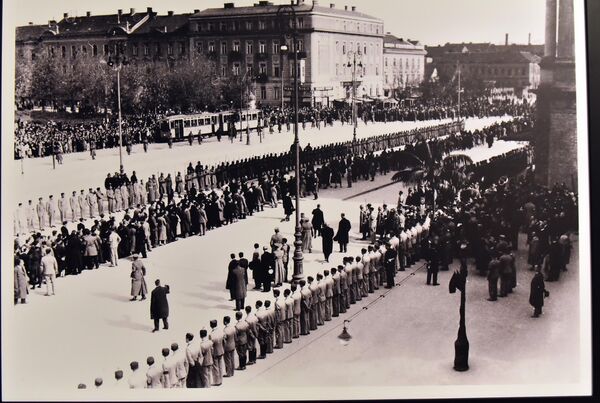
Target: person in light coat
x,y
217,336
51,210
297,310
154,374
21,281
113,242
40,210
229,346
49,270
279,267
206,350
280,318
138,282
138,379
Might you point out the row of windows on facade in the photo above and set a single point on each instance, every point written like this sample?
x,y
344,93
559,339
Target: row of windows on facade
x,y
236,47
262,25
403,78
75,50
356,47
408,65
498,71
262,94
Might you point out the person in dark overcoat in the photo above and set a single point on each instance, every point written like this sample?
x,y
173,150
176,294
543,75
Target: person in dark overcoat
x,y
342,233
267,263
537,294
256,267
288,207
238,284
317,221
159,305
327,237
229,283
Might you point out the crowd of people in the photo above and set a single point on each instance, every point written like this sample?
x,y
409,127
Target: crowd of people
x,y
40,139
482,228
154,216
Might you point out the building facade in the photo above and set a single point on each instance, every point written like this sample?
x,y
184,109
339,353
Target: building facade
x,y
249,39
403,64
514,70
244,42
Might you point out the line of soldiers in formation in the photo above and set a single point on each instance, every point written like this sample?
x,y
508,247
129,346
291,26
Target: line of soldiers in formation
x,y
123,192
140,231
294,312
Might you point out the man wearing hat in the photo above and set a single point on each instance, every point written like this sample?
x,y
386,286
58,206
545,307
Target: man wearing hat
x,y
267,268
159,305
138,282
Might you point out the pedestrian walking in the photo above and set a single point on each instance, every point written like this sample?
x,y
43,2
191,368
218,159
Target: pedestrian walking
x,y
138,281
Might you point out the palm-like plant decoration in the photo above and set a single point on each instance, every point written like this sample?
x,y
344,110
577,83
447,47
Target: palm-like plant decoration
x,y
415,169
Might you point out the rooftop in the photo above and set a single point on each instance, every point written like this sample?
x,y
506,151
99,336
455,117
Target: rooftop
x,y
267,7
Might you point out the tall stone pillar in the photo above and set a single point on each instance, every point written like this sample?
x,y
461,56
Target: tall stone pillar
x,y
566,33
556,125
550,44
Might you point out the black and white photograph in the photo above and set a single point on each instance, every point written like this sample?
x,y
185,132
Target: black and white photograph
x,y
295,199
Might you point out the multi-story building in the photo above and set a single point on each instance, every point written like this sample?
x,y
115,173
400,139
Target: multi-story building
x,y
249,39
403,64
238,39
148,36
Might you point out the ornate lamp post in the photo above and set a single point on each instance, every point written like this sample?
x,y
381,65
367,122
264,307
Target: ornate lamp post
x,y
461,345
288,24
117,61
354,60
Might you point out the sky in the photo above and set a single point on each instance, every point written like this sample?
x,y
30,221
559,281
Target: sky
x,y
432,22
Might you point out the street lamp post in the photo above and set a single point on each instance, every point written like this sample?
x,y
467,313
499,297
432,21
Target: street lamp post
x,y
117,62
354,60
286,15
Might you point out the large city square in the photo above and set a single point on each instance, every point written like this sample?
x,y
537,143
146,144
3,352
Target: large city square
x,y
315,237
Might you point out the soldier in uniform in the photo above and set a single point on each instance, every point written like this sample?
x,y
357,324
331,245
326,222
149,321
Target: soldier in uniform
x,y
289,314
51,210
280,318
229,346
271,327
297,297
217,336
335,301
193,355
40,210
328,281
62,207
305,309
492,277
242,329
154,374
137,379
252,322
206,350
314,302
263,329
322,289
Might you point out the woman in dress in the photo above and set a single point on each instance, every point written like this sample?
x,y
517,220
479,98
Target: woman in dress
x,y
306,235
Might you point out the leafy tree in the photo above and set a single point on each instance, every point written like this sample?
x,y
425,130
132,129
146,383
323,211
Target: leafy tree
x,y
44,77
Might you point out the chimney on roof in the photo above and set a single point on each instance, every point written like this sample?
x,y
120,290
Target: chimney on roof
x,y
149,10
65,15
196,10
346,8
529,39
132,11
88,13
506,40
30,23
120,12
353,8
331,5
170,13
232,5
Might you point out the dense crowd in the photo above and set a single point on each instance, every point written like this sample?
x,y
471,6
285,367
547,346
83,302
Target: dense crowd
x,y
482,227
153,216
34,139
